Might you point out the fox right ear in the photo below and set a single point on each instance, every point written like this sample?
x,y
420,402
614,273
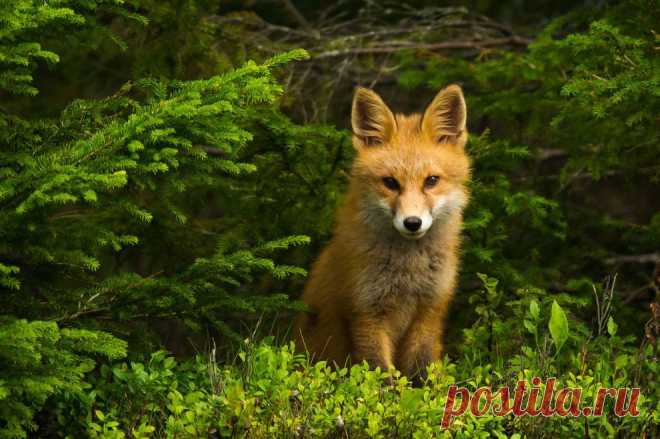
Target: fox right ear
x,y
372,121
444,119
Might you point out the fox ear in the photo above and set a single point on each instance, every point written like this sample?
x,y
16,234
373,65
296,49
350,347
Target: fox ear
x,y
444,119
372,121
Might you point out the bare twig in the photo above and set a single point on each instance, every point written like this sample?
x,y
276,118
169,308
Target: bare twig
x,y
213,151
474,44
338,40
653,284
82,311
550,153
603,307
649,258
298,17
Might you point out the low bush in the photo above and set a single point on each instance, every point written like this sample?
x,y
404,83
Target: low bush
x,y
270,391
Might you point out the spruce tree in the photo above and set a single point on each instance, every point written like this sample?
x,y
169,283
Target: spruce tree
x,y
139,207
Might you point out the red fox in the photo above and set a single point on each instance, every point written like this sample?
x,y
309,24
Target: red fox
x,y
381,288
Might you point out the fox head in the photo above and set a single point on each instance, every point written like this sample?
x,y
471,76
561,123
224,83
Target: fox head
x,y
410,170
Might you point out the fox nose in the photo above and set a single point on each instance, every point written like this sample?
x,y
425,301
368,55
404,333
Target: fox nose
x,y
413,223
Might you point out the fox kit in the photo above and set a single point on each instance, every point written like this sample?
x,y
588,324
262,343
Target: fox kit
x,y
381,288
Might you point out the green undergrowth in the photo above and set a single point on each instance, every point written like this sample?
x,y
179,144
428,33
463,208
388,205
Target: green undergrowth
x,y
270,391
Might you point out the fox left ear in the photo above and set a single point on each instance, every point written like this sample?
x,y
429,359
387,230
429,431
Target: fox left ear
x,y
444,119
372,121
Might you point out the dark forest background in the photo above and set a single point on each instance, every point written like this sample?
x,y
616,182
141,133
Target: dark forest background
x,y
170,169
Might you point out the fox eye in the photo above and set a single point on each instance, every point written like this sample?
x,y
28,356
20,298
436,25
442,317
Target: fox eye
x,y
391,183
431,181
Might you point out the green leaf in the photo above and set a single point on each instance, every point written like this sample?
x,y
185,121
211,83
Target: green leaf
x,y
530,326
534,309
558,325
611,326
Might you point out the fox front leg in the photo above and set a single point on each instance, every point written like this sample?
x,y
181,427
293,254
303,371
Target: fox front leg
x,y
421,345
416,359
371,342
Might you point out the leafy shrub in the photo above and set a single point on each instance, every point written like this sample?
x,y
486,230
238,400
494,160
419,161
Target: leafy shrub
x,y
270,391
40,360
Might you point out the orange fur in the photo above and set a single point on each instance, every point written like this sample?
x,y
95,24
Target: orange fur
x,y
378,293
